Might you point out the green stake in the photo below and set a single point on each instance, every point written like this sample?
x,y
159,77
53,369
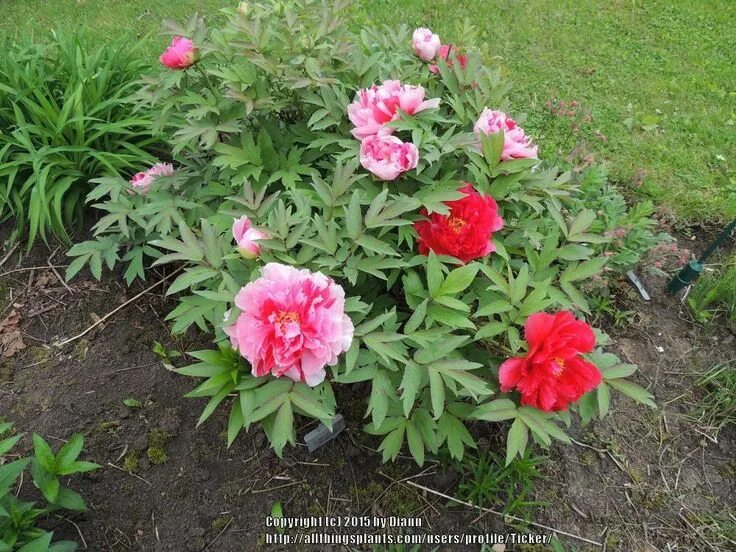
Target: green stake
x,y
692,270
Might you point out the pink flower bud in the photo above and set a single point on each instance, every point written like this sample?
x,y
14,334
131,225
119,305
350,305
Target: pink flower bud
x,y
426,45
247,237
180,54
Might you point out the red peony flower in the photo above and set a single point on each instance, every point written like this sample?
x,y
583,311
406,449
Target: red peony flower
x,y
450,54
552,374
466,232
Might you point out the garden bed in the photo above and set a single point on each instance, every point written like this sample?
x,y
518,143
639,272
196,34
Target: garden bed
x,y
639,479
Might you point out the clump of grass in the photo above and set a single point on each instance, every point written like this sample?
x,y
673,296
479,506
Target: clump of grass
x,y
486,481
718,406
715,293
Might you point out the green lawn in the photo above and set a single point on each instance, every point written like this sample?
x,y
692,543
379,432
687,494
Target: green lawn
x,y
658,77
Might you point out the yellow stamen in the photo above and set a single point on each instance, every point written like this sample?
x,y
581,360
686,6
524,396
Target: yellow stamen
x,y
456,224
284,317
558,367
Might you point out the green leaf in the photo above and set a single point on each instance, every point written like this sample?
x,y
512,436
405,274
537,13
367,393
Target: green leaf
x,y
375,245
574,252
449,317
639,394
235,421
585,270
494,307
69,452
452,430
8,444
496,410
391,444
440,348
516,440
43,453
353,222
63,546
381,391
581,222
603,394
434,274
70,500
437,393
541,425
618,371
458,280
587,407
308,401
491,330
45,481
518,285
40,544
410,383
416,445
417,317
9,473
79,466
283,429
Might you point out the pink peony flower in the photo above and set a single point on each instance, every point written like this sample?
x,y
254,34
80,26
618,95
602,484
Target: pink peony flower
x,y
375,106
516,144
161,169
292,323
142,181
426,45
180,54
387,156
246,237
450,54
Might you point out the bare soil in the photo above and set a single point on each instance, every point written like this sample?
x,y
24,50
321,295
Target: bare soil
x,y
641,480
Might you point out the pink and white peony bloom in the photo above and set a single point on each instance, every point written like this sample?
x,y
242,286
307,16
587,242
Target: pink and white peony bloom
x,y
387,156
375,106
247,237
425,43
142,181
516,144
292,323
180,54
161,169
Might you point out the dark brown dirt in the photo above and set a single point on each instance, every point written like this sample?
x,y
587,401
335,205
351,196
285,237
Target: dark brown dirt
x,y
640,480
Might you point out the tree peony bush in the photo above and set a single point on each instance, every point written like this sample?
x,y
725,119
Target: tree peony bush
x,y
393,228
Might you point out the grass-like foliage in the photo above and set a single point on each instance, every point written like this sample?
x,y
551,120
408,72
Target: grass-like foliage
x,y
717,409
19,519
714,293
488,482
65,118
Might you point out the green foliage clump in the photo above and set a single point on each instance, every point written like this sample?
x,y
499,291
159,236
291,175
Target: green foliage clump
x,y
487,481
715,293
717,409
65,118
258,126
19,530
